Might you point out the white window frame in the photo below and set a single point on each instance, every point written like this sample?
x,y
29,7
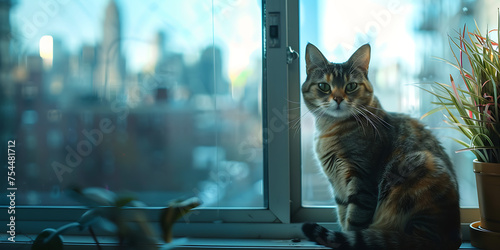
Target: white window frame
x,y
283,215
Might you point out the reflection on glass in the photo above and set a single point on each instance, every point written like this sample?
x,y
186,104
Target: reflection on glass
x,y
405,37
159,98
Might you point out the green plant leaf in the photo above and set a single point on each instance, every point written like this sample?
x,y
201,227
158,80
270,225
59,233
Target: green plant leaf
x,y
471,106
123,201
41,243
173,212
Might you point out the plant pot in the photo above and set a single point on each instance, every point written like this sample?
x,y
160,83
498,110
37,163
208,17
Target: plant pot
x,y
488,193
482,238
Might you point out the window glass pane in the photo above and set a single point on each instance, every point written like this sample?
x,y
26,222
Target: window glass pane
x,y
159,98
405,36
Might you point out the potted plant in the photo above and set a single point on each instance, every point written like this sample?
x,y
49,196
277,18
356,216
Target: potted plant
x,y
472,106
107,211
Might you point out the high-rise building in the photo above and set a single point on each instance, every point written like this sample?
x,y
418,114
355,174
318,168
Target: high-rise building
x,y
110,74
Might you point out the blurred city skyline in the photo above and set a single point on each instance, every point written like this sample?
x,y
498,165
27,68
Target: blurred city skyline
x,y
75,23
177,118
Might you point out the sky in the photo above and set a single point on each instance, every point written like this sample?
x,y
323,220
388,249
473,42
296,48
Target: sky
x,y
188,24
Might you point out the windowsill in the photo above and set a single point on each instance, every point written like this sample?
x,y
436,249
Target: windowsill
x,y
78,242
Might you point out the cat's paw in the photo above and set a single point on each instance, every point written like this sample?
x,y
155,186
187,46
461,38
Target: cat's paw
x,y
309,229
315,232
320,235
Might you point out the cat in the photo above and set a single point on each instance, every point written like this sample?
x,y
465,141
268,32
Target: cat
x,y
393,183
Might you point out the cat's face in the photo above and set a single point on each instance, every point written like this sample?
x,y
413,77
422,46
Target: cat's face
x,y
337,90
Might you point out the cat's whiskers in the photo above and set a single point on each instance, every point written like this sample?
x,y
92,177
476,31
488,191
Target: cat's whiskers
x,y
297,121
380,109
369,120
358,119
382,121
321,114
294,124
294,102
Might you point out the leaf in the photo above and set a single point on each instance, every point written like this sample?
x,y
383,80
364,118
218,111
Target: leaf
x,y
173,212
48,239
88,218
475,148
123,201
455,90
94,197
432,112
476,120
473,110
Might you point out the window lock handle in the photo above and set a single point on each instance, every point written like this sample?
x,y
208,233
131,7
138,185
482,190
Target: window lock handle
x,y
291,55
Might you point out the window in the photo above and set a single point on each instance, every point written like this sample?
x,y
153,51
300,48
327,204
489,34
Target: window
x,y
170,99
158,98
405,36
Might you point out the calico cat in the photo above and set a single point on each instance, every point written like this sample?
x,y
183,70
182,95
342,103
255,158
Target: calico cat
x,y
394,185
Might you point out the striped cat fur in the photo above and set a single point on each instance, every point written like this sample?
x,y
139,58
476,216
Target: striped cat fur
x,y
394,185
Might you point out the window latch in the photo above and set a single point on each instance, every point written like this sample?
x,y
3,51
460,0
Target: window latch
x,y
291,55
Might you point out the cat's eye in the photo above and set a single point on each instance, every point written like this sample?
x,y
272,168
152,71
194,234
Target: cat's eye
x,y
351,87
324,87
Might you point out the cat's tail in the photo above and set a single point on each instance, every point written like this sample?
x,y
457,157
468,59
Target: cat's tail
x,y
372,239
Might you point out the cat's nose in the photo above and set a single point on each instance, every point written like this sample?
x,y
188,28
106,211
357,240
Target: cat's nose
x,y
338,99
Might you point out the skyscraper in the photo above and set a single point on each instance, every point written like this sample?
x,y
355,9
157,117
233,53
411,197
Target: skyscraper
x,y
110,72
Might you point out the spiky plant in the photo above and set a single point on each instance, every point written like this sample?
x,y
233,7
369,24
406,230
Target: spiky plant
x,y
471,106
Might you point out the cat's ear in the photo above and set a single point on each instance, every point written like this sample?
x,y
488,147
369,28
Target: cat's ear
x,y
361,58
314,58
